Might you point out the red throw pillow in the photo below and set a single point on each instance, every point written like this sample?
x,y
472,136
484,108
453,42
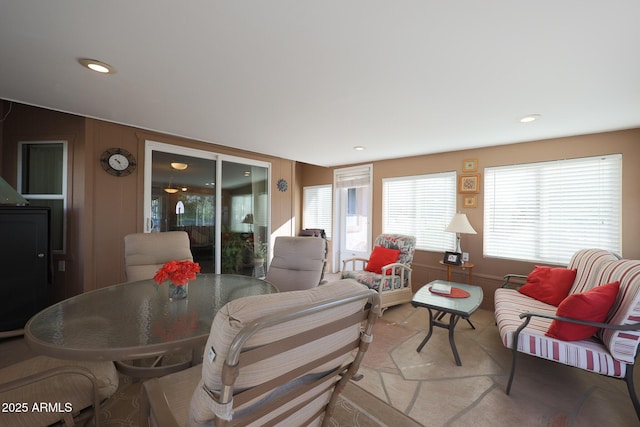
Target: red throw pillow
x,y
549,284
592,306
380,257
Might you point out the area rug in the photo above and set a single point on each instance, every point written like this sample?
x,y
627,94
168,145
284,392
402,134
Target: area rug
x,y
356,407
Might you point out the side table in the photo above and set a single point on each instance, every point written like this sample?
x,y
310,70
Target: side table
x,y
467,265
457,308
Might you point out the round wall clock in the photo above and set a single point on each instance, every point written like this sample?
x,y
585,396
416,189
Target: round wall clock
x,y
282,185
118,161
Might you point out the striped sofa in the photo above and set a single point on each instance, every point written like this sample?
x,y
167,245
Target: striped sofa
x,y
523,320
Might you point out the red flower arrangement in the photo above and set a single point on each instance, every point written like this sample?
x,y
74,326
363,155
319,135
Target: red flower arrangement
x,y
179,272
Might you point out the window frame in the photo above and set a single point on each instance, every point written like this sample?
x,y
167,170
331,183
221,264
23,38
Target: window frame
x,y
53,196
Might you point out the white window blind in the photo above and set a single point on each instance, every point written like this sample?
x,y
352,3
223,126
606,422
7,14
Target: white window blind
x,y
353,177
544,212
317,201
421,206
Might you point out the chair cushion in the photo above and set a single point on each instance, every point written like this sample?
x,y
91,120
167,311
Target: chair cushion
x,y
593,305
549,284
298,263
237,314
589,354
73,391
623,345
587,263
380,257
145,253
405,243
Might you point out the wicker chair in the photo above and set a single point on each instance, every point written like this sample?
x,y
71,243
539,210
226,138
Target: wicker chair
x,y
393,282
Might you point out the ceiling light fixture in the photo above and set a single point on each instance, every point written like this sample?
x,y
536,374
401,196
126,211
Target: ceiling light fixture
x,y
171,190
359,148
530,118
97,66
179,166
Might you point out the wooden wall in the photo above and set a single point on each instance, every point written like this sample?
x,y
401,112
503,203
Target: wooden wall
x,y
103,208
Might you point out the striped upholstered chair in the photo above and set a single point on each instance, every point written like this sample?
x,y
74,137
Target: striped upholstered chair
x,y
523,322
278,359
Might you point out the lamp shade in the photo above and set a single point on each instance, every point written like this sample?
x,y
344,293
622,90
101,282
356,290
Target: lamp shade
x,y
460,224
248,219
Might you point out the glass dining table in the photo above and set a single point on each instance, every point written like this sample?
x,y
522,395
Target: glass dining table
x,y
136,320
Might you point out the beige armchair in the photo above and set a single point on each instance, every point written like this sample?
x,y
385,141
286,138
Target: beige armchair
x,y
78,388
298,263
145,253
280,358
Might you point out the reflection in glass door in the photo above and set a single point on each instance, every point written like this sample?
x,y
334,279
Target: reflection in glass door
x,y
183,198
244,220
222,203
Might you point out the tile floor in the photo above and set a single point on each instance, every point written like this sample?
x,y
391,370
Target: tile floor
x,y
429,387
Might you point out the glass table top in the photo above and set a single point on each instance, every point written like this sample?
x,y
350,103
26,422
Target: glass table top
x,y
136,319
461,306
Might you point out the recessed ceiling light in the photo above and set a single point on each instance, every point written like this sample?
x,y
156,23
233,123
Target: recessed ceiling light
x,y
359,148
98,66
530,118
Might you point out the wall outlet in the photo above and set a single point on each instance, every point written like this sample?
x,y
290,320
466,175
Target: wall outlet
x,y
465,256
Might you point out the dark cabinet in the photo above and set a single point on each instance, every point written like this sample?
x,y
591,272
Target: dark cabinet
x,y
25,263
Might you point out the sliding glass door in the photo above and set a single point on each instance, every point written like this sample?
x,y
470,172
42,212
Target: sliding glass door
x,y
220,201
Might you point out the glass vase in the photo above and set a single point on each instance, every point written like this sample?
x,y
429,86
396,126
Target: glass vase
x,y
178,292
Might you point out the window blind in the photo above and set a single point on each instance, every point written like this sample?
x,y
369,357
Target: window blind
x,y
544,212
357,176
421,206
317,202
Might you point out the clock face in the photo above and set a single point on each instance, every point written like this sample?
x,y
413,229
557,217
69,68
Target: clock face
x,y
118,162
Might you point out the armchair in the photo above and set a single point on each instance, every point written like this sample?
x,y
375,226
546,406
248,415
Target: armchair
x,y
279,359
393,281
80,387
298,263
145,253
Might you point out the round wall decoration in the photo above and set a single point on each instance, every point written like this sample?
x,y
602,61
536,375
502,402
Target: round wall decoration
x,y
282,185
118,161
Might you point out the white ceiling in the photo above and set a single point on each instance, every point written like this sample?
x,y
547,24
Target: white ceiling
x,y
309,80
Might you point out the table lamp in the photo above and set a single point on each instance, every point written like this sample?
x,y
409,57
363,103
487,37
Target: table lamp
x,y
460,224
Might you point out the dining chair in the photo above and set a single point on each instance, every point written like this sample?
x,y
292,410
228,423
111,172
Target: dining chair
x,y
270,359
42,391
387,270
298,263
145,253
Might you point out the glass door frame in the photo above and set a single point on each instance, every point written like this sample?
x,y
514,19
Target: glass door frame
x,y
363,177
151,146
